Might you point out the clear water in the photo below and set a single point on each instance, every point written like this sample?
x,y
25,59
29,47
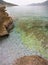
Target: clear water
x,y
29,11
15,45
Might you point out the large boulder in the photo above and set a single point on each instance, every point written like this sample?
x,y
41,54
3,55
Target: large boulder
x,y
6,22
31,60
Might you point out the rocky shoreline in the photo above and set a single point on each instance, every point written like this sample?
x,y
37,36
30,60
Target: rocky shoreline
x,y
31,60
6,22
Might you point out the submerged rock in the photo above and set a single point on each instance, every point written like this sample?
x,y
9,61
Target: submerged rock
x,y
6,22
31,60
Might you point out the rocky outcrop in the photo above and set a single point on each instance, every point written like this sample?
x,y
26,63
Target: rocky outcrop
x,y
6,22
31,60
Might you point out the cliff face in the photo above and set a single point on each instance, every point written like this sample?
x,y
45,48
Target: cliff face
x,y
6,22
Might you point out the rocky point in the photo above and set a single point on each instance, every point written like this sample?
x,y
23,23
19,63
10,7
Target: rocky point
x,y
6,22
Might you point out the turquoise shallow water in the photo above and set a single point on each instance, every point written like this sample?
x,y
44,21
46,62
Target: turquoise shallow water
x,y
14,46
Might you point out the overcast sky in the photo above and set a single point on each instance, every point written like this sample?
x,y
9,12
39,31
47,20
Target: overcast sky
x,y
24,2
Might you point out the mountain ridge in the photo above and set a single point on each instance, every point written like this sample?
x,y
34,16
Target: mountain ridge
x,y
7,3
40,4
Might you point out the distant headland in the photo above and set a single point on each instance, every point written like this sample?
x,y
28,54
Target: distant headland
x,y
40,4
7,4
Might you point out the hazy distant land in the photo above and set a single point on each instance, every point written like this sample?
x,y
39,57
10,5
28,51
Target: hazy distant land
x,y
40,4
6,3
